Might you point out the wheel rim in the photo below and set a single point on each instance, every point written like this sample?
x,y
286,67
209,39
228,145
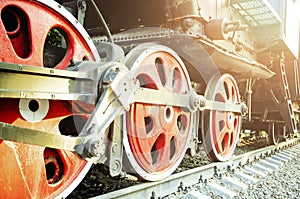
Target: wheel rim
x,y
156,136
221,129
34,171
274,131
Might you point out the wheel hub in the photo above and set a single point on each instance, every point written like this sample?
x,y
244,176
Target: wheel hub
x,y
221,129
157,136
168,114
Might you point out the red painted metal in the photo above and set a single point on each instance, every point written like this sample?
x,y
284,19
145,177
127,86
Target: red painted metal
x,y
40,21
24,168
158,135
222,128
225,124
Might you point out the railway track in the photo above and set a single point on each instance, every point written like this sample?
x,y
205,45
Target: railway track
x,y
215,180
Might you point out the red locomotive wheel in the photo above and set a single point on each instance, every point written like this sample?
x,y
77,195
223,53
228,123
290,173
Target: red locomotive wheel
x,y
221,129
156,136
40,33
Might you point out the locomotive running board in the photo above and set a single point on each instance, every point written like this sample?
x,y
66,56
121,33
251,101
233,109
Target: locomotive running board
x,y
118,91
201,48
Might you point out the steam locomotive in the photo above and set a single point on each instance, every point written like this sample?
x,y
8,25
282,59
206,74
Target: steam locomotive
x,y
135,85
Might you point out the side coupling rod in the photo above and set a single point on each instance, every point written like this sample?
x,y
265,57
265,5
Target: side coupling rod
x,y
109,86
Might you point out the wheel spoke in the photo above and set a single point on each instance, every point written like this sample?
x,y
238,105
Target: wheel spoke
x,y
221,128
34,171
223,140
173,74
164,152
148,77
166,66
164,130
231,90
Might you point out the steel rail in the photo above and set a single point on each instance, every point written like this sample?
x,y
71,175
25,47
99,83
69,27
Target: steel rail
x,y
193,176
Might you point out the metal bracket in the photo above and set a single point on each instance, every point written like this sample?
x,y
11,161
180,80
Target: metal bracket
x,y
116,148
112,80
81,7
117,91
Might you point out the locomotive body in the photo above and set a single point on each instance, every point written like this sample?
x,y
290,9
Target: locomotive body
x,y
134,85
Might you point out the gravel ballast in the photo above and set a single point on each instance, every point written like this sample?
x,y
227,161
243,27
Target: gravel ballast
x,y
283,183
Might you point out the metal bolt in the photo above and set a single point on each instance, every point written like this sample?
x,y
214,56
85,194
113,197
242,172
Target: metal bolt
x,y
115,148
202,102
229,168
244,109
200,179
116,165
216,172
238,48
186,190
188,22
180,188
94,148
153,195
82,5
